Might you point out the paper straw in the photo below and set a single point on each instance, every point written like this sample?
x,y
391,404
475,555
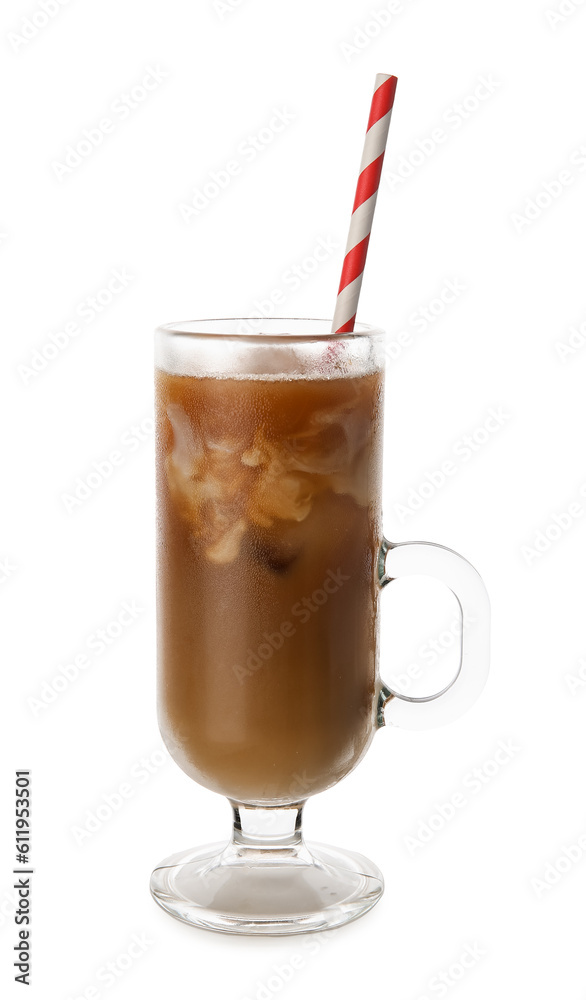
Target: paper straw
x,y
364,203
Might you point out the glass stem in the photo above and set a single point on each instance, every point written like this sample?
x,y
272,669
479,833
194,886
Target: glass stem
x,y
276,828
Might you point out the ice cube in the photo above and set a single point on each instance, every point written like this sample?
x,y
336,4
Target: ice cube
x,y
227,547
187,452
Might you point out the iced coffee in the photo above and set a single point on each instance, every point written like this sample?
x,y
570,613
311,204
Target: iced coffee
x,y
268,539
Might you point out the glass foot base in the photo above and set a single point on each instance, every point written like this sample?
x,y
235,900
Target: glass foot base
x,y
239,890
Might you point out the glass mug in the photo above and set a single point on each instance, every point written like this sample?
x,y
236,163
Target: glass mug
x,y
271,562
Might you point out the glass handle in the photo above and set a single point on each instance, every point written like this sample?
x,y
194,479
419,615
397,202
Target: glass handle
x,y
426,559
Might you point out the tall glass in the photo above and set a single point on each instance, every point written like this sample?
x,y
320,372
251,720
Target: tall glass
x,y
271,562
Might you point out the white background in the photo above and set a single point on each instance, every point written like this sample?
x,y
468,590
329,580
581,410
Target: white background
x,y
68,573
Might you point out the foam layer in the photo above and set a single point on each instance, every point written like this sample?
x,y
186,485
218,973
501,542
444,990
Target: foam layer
x,y
285,350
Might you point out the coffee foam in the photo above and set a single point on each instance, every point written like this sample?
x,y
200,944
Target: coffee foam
x,y
267,360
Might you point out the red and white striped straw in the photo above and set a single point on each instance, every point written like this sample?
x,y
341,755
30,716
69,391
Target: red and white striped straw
x,y
364,203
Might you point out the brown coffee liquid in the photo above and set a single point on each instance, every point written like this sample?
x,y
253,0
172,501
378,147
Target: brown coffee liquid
x,y
268,539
